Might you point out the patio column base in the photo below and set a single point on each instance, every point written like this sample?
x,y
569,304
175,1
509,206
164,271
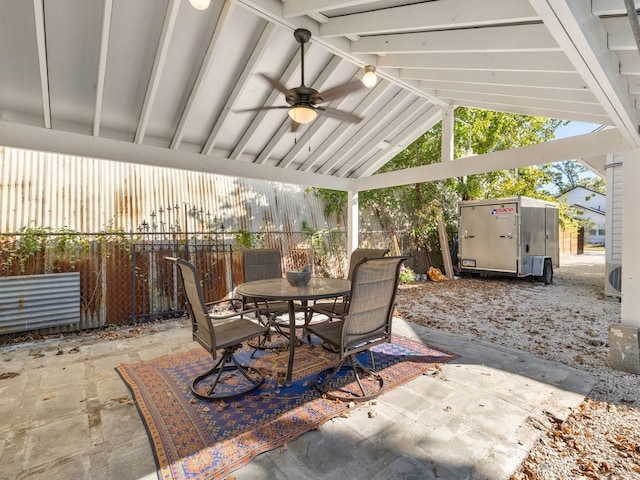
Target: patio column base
x,y
624,348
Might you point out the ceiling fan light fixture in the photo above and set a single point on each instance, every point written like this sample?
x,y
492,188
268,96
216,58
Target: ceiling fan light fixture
x,y
200,4
370,78
302,114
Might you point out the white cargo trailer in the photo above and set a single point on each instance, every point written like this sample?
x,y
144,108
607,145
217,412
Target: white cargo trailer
x,y
514,236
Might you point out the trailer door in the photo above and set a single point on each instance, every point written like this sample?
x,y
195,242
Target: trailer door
x,y
489,237
552,235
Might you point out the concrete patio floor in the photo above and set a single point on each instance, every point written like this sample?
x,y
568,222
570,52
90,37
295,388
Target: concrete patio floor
x,y
69,415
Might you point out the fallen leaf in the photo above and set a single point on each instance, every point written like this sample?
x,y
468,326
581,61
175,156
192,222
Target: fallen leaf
x,y
4,375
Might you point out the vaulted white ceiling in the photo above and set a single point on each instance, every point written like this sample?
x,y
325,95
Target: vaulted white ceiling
x,y
158,82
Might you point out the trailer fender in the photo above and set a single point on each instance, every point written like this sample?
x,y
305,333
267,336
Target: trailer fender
x,y
543,269
537,265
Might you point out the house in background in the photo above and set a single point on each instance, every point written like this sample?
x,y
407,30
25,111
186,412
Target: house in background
x,y
591,207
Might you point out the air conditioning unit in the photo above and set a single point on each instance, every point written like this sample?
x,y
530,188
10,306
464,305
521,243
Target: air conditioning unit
x,y
613,280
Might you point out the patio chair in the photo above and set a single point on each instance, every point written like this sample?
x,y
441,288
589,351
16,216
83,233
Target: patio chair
x,y
337,307
224,332
262,264
365,324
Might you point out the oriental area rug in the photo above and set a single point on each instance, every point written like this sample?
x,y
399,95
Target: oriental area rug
x,y
200,439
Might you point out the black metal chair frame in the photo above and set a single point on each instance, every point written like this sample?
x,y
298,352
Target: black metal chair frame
x,y
218,332
339,305
262,264
366,323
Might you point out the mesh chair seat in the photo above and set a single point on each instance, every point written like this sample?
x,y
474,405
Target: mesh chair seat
x,y
365,324
338,307
228,377
262,264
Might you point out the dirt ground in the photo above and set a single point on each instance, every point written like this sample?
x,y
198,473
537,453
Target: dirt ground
x,y
566,322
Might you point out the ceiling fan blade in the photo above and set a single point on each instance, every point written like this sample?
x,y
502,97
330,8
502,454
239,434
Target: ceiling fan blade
x,y
338,114
335,92
275,84
290,94
294,126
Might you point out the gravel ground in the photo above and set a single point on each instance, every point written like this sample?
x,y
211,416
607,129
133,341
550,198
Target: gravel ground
x,y
565,322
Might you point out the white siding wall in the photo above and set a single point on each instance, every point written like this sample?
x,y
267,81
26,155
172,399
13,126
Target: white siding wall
x,y
613,251
586,198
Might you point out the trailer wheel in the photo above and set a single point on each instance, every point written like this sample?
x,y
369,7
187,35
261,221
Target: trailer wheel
x,y
547,272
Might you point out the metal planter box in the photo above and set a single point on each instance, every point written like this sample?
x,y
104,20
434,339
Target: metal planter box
x,y
32,302
514,236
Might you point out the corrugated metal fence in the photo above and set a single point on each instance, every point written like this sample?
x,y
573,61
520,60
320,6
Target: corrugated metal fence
x,y
90,195
33,302
121,275
46,199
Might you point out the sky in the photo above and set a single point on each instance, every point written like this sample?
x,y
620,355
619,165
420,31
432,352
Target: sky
x,y
572,129
575,128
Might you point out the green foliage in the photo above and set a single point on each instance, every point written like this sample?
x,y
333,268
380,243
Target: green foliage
x,y
29,244
34,246
570,174
416,207
334,201
325,243
407,276
245,239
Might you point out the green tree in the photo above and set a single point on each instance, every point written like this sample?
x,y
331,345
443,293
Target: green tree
x,y
566,175
416,207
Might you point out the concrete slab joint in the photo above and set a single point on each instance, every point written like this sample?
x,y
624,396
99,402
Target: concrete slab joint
x,y
624,348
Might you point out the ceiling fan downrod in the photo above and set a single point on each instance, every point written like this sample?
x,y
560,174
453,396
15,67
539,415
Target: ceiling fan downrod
x,y
302,36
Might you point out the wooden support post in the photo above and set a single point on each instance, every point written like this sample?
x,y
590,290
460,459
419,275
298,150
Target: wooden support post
x,y
444,247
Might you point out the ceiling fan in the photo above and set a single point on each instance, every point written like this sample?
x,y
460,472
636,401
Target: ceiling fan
x,y
304,102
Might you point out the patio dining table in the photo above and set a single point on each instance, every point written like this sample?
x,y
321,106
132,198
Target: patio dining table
x,y
280,289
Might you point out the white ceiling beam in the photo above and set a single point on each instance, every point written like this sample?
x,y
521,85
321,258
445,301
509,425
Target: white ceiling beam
x,y
620,36
394,108
503,100
318,17
559,80
577,96
629,63
584,39
537,112
506,61
156,71
522,38
298,8
365,144
271,10
274,95
451,14
279,134
610,7
634,85
102,65
199,84
239,86
427,117
361,110
548,152
38,10
48,140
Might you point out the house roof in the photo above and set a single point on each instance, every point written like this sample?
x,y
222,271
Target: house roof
x,y
157,82
590,210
